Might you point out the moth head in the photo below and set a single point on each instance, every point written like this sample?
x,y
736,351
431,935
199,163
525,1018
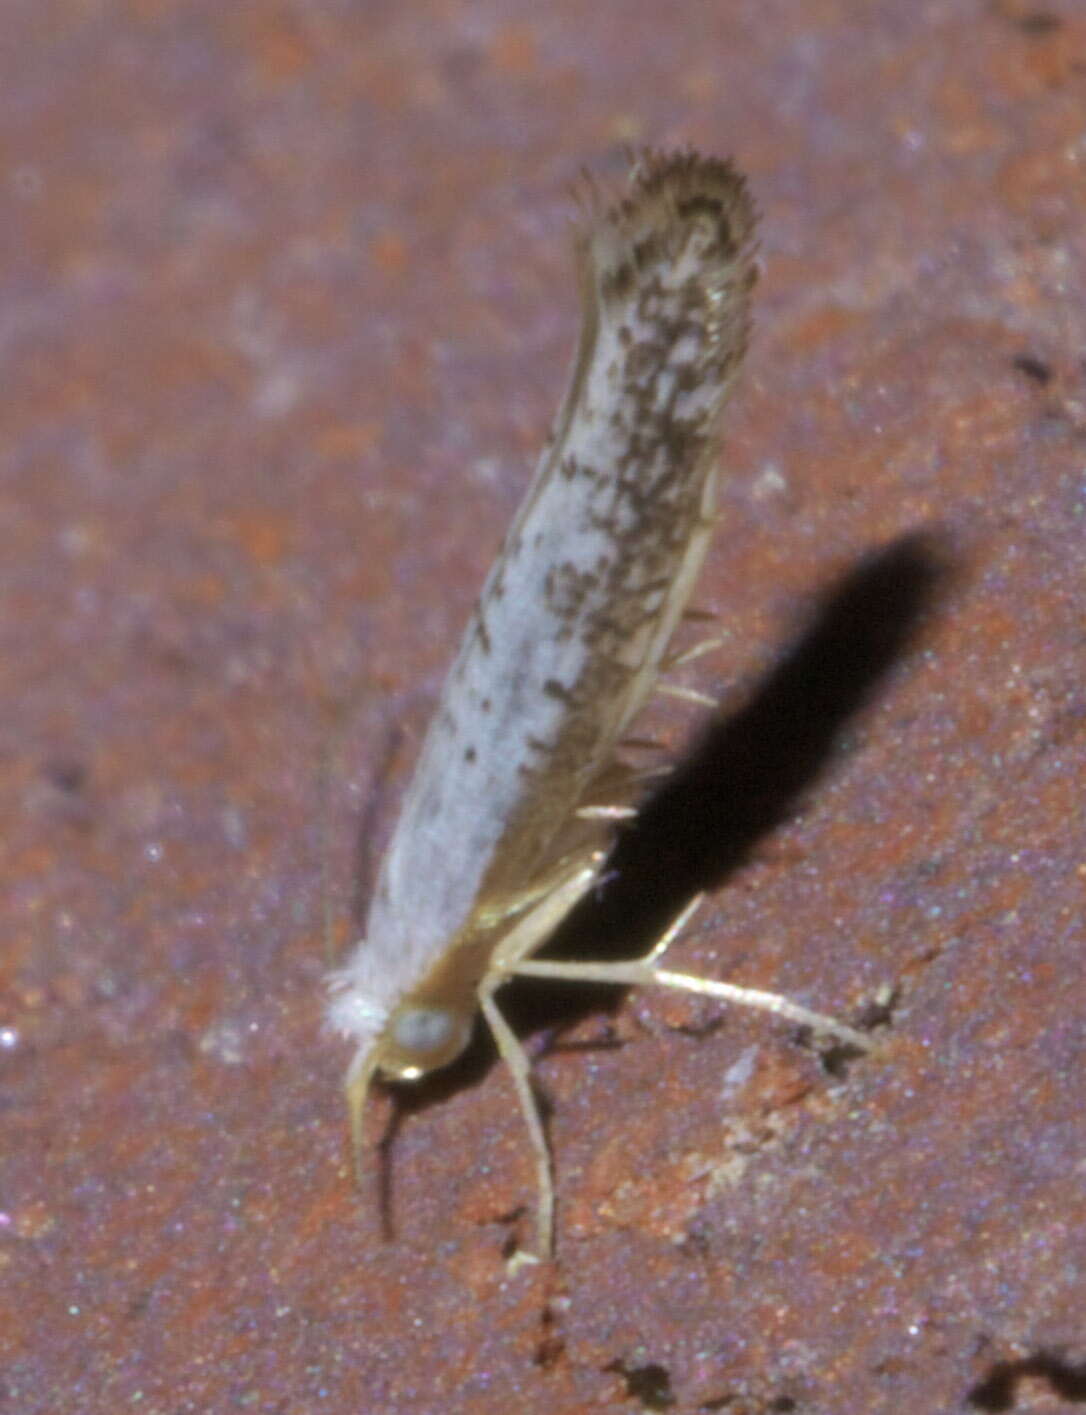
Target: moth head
x,y
421,1037
418,1037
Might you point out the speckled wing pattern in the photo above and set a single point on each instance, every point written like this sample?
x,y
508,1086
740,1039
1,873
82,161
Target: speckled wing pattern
x,y
568,637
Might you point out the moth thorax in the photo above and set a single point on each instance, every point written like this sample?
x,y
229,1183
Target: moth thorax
x,y
421,1037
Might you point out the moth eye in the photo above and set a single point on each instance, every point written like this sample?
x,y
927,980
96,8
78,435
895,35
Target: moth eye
x,y
424,1038
423,1028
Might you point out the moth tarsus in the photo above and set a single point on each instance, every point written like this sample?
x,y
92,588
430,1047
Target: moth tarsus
x,y
508,821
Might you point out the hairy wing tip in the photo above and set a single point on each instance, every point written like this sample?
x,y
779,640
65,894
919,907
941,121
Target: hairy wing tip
x,y
667,190
685,224
686,174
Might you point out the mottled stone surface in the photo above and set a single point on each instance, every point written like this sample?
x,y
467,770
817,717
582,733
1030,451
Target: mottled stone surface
x,y
285,304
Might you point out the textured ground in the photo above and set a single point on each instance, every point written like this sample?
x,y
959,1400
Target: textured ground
x,y
285,306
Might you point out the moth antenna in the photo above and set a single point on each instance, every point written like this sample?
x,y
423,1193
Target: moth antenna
x,y
324,791
587,196
686,695
331,746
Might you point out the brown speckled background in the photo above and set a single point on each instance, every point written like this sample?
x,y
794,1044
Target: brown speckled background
x,y
285,307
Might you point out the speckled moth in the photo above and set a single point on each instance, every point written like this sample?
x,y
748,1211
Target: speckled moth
x,y
520,780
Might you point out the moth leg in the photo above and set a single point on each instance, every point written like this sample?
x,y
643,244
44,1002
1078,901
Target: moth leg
x,y
699,650
547,897
532,930
528,933
686,695
644,972
513,1054
673,930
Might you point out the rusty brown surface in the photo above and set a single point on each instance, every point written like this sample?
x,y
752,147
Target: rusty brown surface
x,y
285,300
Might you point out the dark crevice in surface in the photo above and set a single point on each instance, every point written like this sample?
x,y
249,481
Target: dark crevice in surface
x,y
999,1388
650,1384
1033,368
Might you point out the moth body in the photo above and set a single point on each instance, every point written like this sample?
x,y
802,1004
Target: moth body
x,y
518,788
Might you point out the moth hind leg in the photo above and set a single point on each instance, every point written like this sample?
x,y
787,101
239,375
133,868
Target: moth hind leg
x,y
646,972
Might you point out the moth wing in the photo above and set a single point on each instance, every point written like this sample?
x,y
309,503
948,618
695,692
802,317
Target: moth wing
x,y
574,619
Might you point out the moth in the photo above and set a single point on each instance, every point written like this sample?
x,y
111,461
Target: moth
x,y
521,778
